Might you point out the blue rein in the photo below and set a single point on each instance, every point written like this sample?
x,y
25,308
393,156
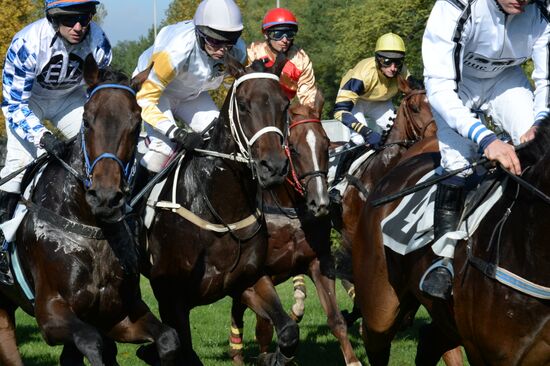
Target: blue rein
x,y
126,168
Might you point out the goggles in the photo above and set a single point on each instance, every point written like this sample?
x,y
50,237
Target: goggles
x,y
387,62
71,20
217,43
277,35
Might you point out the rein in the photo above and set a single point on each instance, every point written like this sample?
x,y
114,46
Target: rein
x,y
412,127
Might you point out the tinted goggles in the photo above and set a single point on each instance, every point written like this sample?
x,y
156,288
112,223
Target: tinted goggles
x,y
71,20
387,62
277,35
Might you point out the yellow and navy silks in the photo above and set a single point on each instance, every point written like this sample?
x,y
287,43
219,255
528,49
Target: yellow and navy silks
x,y
364,82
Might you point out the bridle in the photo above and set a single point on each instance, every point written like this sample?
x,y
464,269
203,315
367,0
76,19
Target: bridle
x,y
299,182
413,128
244,144
127,169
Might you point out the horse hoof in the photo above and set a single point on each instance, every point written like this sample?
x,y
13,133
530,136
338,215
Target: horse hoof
x,y
148,354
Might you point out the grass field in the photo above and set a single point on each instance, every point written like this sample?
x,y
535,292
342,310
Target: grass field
x,y
211,329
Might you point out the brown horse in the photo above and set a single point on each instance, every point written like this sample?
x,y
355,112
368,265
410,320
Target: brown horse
x,y
497,325
196,265
414,122
79,261
299,231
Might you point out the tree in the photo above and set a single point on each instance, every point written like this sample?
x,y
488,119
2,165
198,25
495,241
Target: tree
x,y
14,15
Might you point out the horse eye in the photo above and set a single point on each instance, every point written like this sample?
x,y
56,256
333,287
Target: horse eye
x,y
85,123
415,108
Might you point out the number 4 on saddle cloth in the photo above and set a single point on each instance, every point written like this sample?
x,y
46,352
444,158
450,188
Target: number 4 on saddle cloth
x,y
410,226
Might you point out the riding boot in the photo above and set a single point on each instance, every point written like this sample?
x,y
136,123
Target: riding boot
x,y
449,200
8,202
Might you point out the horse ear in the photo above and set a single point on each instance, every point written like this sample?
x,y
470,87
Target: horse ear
x,y
403,85
234,67
279,63
319,103
140,78
91,71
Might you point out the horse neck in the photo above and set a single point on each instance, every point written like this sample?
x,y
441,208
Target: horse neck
x,y
62,192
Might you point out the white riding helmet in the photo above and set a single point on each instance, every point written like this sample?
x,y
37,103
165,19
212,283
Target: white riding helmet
x,y
220,15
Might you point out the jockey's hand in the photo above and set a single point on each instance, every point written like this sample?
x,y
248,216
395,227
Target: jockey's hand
x,y
505,154
52,145
187,140
372,138
529,135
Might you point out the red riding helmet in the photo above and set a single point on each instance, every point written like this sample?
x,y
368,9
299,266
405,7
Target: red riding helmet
x,y
279,17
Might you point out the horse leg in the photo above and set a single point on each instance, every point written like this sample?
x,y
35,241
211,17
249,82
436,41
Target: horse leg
x,y
453,357
109,352
432,345
264,301
236,334
174,312
70,355
350,317
300,295
61,326
326,290
9,353
142,326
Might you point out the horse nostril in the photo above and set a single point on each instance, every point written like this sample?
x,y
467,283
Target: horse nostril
x,y
91,196
117,200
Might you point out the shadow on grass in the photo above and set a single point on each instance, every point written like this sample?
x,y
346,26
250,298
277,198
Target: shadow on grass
x,y
317,345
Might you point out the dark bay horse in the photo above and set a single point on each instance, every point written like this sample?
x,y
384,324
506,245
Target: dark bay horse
x,y
78,258
299,231
196,265
497,324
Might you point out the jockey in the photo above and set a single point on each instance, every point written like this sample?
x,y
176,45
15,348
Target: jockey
x,y
366,92
472,53
42,80
188,61
279,27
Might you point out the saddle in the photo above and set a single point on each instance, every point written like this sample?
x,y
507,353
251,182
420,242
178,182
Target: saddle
x,y
410,226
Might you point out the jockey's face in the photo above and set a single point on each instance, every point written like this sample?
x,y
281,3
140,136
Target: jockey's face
x,y
74,28
513,6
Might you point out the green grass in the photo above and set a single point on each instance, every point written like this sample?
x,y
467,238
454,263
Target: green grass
x,y
210,328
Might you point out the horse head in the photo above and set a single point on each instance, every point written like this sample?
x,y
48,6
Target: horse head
x,y
110,126
308,153
257,115
414,120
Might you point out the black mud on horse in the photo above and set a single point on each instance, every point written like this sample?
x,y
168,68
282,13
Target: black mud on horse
x,y
79,259
194,265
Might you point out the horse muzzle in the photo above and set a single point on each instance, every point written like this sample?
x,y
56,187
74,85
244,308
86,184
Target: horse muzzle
x,y
271,172
106,203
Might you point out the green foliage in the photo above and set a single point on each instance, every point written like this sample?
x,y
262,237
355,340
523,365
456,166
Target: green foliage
x,y
126,53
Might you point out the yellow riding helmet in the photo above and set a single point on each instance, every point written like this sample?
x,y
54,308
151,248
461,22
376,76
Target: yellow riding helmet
x,y
390,45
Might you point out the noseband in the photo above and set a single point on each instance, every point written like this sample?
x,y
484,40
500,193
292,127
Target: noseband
x,y
126,168
298,181
244,144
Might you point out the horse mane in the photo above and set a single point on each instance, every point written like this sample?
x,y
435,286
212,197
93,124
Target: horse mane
x,y
258,66
115,76
537,148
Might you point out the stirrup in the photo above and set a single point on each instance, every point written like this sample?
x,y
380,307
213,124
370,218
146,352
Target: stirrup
x,y
437,290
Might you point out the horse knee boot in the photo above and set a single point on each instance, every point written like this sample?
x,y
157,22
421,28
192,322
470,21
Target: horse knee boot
x,y
449,200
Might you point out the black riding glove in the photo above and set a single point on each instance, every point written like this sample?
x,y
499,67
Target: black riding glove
x,y
188,140
372,138
52,145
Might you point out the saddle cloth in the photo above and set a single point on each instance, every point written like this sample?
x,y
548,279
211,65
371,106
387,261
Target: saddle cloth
x,y
354,167
410,226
